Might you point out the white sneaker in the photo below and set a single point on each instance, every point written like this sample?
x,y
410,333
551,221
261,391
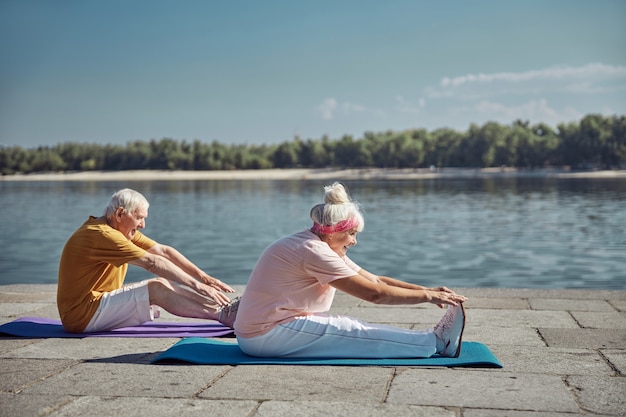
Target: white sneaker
x,y
449,331
228,313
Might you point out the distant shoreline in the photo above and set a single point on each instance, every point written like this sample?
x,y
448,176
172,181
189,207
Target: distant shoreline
x,y
313,174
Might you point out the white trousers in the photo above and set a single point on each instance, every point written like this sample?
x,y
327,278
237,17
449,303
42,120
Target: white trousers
x,y
330,336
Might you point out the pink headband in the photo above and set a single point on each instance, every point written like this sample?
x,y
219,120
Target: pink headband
x,y
342,226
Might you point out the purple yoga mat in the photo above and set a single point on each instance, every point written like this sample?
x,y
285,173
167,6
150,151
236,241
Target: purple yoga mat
x,y
41,327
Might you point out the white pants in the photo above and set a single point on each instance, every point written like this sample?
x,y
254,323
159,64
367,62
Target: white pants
x,y
329,336
127,306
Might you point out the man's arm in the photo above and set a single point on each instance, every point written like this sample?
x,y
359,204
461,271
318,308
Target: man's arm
x,y
178,259
163,267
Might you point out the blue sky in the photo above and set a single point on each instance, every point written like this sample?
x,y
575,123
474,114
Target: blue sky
x,y
252,72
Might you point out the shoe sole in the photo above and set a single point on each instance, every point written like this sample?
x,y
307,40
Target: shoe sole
x,y
228,322
458,350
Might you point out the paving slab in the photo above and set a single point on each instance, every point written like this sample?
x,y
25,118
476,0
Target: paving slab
x,y
154,407
619,305
481,412
129,380
503,390
296,383
30,289
601,395
27,297
585,338
105,349
344,300
498,303
49,311
617,359
13,310
32,405
569,305
527,293
600,320
17,375
8,344
555,361
563,351
515,336
522,318
340,409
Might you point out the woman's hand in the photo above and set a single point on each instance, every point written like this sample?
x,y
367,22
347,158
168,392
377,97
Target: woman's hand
x,y
441,296
442,288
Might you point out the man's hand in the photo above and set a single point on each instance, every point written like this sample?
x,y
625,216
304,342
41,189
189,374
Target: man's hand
x,y
205,285
215,283
213,293
174,256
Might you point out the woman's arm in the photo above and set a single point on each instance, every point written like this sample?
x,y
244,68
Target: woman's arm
x,y
398,283
376,290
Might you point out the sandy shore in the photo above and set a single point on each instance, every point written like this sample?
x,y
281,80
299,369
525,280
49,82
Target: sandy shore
x,y
310,174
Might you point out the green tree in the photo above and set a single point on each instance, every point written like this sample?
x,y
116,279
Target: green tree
x,y
545,145
384,150
313,154
494,141
46,160
444,151
286,155
617,142
570,148
594,141
345,150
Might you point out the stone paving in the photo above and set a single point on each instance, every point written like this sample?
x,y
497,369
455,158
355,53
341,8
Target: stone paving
x,y
563,351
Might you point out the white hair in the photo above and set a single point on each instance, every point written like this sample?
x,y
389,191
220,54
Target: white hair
x,y
129,200
337,207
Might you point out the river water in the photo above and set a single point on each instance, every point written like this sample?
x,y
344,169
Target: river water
x,y
474,232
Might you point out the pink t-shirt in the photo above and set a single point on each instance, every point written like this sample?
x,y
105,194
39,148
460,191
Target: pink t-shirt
x,y
289,280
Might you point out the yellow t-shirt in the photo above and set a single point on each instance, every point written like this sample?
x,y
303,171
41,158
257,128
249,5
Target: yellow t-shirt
x,y
94,261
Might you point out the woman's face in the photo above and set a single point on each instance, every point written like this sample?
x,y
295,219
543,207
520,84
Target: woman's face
x,y
340,242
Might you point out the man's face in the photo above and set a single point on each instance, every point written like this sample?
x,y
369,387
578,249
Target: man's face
x,y
129,223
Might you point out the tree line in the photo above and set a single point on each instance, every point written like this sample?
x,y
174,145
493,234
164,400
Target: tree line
x,y
595,141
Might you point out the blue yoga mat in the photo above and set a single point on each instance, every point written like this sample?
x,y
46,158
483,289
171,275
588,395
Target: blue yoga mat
x,y
38,327
201,351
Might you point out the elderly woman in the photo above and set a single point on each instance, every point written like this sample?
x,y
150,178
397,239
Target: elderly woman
x,y
283,311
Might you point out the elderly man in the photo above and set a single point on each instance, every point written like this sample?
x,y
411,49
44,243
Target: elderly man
x,y
91,293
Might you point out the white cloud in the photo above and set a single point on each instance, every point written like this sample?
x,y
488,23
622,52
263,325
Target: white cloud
x,y
327,108
349,108
404,106
594,70
551,95
538,110
591,88
330,107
